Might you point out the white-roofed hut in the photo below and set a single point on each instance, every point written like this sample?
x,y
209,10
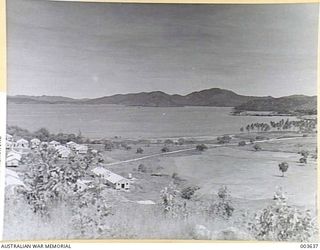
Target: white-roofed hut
x,y
35,143
112,179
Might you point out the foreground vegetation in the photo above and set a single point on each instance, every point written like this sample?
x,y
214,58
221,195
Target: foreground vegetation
x,y
55,207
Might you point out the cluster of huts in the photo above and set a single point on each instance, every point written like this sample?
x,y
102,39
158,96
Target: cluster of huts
x,y
17,148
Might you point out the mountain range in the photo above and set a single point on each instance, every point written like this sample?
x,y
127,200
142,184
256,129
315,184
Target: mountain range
x,y
214,97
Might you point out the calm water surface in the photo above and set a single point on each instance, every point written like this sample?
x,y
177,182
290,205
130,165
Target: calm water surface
x,y
96,121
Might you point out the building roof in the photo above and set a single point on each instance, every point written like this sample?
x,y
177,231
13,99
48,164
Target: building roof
x,y
14,155
81,147
22,141
35,140
13,179
108,175
71,143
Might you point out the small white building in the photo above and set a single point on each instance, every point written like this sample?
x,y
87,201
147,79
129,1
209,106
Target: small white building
x,y
63,152
54,143
35,143
12,182
116,181
13,159
9,144
83,185
22,143
71,145
81,149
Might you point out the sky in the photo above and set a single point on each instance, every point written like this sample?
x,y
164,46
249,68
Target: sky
x,y
87,50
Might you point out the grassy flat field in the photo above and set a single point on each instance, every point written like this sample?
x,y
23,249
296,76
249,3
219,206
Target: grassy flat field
x,y
250,176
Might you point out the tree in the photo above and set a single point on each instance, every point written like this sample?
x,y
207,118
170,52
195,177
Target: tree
x,y
201,147
281,222
43,134
224,139
283,167
257,147
222,207
142,168
241,129
242,143
303,160
139,151
188,192
165,149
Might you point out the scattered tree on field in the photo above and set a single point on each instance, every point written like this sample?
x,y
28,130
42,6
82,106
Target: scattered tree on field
x,y
139,151
283,167
201,147
257,147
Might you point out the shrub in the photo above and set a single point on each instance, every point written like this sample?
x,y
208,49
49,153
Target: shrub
x,y
173,206
280,222
259,138
165,149
188,192
242,143
303,160
139,151
257,147
201,147
283,167
142,168
304,153
168,141
108,146
224,139
181,141
174,175
223,207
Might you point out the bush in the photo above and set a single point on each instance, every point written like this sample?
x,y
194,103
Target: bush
x,y
303,160
181,141
142,168
223,206
304,153
165,149
188,192
280,222
283,167
139,151
108,146
224,139
257,147
242,143
201,147
168,141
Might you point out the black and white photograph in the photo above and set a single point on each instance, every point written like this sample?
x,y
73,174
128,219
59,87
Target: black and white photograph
x,y
145,121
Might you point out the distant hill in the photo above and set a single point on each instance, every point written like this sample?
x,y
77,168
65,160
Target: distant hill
x,y
294,103
214,97
24,99
210,97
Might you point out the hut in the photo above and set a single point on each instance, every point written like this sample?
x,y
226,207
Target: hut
x,y
63,152
22,143
71,145
81,149
35,143
112,179
54,143
13,159
9,144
